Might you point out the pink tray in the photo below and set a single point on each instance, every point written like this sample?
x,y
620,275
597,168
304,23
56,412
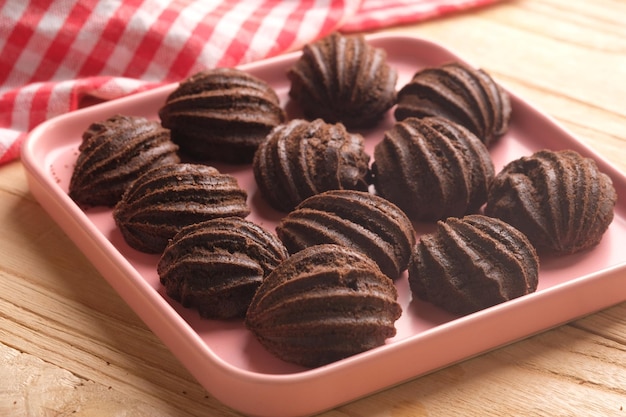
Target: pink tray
x,y
229,362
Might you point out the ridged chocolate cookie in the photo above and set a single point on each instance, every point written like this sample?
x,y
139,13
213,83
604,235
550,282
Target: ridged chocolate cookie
x,y
362,221
473,263
221,114
463,94
113,153
559,199
324,304
216,266
165,199
432,168
343,79
300,158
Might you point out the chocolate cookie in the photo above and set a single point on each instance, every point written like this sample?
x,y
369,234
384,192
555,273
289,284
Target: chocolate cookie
x,y
473,263
300,159
323,304
343,79
216,266
460,93
362,221
559,199
113,153
432,168
221,114
165,199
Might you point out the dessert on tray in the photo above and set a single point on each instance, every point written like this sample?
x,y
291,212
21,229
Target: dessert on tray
x,y
165,199
459,93
325,303
432,168
559,199
113,153
472,263
299,159
221,114
342,78
357,219
316,279
216,266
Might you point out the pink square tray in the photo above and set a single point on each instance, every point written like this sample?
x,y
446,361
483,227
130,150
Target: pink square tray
x,y
224,356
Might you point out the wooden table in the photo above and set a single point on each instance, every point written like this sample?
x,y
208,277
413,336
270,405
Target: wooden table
x,y
70,346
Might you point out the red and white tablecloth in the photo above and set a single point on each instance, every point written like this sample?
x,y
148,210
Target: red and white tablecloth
x,y
58,55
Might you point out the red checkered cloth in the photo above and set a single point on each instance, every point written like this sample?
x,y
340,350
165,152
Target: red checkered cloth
x,y
56,56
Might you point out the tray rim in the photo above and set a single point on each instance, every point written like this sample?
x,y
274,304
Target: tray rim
x,y
58,206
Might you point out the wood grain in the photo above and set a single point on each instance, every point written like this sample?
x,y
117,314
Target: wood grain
x,y
70,346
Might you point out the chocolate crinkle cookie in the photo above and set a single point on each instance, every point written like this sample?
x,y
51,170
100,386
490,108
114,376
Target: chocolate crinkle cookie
x,y
221,114
357,219
343,79
165,199
458,92
559,199
472,263
299,159
324,304
113,153
432,168
216,266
